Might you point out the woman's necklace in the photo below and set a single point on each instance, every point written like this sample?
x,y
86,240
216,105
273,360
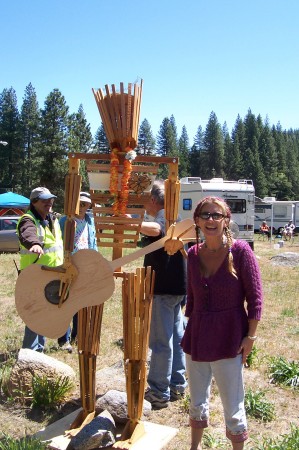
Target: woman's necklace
x,y
214,250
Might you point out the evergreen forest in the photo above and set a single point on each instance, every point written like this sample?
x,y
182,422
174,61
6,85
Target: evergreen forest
x,y
35,142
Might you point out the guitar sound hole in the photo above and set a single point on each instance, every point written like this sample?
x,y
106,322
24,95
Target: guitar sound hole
x,y
52,292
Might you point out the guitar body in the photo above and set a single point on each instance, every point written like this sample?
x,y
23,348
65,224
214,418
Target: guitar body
x,y
93,286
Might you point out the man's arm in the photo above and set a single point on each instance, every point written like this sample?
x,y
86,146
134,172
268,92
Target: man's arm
x,y
151,229
28,236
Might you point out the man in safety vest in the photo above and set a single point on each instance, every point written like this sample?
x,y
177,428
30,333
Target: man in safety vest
x,y
40,243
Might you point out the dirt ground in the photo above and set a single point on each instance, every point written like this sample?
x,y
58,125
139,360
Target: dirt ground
x,y
278,335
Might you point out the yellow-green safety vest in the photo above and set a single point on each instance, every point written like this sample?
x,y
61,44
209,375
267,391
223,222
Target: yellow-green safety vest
x,y
52,245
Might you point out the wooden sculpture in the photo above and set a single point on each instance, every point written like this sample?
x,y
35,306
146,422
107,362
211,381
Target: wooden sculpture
x,y
120,188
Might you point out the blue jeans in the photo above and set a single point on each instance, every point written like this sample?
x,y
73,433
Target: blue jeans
x,y
228,374
167,365
33,341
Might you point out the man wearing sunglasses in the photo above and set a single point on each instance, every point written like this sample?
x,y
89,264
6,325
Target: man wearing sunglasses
x,y
85,238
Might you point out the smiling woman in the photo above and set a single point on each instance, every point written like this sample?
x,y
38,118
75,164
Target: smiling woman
x,y
222,274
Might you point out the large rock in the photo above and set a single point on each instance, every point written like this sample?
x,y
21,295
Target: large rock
x,y
31,363
116,403
289,259
99,433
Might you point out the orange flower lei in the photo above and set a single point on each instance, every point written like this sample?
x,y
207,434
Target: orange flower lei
x,y
120,198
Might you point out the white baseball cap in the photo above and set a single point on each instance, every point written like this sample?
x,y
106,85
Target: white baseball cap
x,y
41,193
85,197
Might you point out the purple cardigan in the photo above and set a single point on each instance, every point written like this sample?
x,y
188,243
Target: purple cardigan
x,y
218,319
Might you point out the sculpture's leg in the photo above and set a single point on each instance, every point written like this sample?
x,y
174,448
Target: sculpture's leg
x,y
89,330
137,303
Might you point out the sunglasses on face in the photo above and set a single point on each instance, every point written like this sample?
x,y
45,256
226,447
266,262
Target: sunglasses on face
x,y
83,204
215,216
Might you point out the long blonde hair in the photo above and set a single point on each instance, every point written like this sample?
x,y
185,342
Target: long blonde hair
x,y
227,232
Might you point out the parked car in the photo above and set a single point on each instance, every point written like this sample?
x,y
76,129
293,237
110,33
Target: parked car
x,y
9,241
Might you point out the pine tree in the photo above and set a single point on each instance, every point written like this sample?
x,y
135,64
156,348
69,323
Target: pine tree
x,y
184,148
268,156
292,171
166,144
11,156
79,134
146,140
30,136
54,145
197,155
280,144
213,142
174,128
254,170
80,139
239,145
252,128
101,144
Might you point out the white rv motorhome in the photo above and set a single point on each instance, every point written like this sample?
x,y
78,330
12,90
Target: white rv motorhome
x,y
275,212
238,194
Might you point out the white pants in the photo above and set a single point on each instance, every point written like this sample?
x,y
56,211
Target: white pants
x,y
228,374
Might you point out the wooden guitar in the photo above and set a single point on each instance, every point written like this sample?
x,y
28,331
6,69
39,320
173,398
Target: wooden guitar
x,y
37,287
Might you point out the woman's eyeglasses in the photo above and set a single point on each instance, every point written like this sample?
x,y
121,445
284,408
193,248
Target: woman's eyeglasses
x,y
83,204
215,216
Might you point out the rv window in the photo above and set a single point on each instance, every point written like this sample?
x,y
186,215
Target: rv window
x,y
187,204
280,211
237,205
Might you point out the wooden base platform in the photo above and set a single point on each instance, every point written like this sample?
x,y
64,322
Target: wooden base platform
x,y
155,438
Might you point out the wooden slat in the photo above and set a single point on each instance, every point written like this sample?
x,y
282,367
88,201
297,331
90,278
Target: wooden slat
x,y
116,112
123,109
116,244
137,210
110,110
104,114
134,111
118,220
106,168
108,226
139,158
129,108
134,200
121,237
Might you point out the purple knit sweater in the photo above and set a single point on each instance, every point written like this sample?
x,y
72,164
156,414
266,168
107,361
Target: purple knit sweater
x,y
219,306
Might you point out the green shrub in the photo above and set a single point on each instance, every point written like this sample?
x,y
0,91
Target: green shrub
x,y
257,407
210,441
252,358
284,372
49,393
186,403
284,442
26,443
5,370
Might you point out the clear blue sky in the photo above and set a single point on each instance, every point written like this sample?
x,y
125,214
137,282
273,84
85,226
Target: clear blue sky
x,y
195,56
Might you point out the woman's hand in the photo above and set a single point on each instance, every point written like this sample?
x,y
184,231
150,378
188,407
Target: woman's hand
x,y
245,348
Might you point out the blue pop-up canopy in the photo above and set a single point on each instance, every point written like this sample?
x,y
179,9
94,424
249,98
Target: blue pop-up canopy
x,y
10,200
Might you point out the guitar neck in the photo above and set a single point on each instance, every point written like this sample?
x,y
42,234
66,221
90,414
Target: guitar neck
x,y
135,255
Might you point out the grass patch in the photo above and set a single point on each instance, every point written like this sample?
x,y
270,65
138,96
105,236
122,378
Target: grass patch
x,y
284,372
287,441
27,443
256,406
253,357
49,393
212,441
278,336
